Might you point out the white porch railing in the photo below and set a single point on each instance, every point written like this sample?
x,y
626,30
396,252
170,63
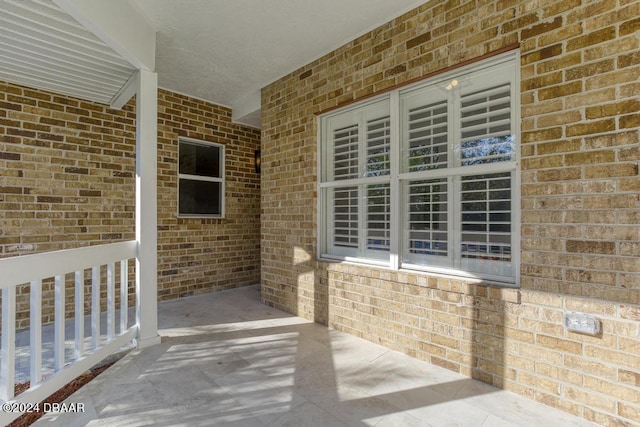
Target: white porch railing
x,y
88,348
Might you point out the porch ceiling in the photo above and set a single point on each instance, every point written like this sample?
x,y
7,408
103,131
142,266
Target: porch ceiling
x,y
42,46
225,51
222,51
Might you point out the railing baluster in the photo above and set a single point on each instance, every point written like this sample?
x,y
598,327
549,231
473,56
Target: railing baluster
x,y
35,268
79,320
111,302
35,331
95,307
8,363
124,294
58,335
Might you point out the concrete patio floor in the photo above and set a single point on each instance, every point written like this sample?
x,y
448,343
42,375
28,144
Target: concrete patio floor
x,y
227,360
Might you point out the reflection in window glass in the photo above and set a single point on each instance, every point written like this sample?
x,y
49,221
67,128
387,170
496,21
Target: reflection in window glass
x,y
378,145
345,217
378,217
198,159
486,217
200,197
427,139
486,126
428,225
200,179
426,178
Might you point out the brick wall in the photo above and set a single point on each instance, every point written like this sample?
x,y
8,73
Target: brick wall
x,y
67,179
580,240
204,255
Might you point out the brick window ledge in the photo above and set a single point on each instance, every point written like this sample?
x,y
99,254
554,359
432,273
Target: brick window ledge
x,y
346,271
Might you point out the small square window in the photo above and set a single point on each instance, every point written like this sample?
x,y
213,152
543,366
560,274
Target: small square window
x,y
200,179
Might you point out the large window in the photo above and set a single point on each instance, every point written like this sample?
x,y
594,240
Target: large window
x,y
200,179
426,177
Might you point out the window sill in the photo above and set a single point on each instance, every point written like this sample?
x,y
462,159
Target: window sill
x,y
468,286
183,216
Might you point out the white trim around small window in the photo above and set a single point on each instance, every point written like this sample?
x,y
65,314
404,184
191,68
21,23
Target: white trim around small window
x,y
427,177
201,183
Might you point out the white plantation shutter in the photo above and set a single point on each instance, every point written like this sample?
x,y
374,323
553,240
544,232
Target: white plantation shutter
x,y
345,157
427,178
486,126
486,216
359,211
427,232
486,222
427,141
378,217
455,220
425,138
378,146
345,217
377,224
486,136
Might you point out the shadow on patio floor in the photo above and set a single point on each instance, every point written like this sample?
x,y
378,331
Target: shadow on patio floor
x,y
227,360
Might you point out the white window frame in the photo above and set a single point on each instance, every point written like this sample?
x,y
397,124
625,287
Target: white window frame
x,y
220,180
508,63
359,181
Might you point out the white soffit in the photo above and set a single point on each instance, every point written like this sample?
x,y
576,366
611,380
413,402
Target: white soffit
x,y
42,46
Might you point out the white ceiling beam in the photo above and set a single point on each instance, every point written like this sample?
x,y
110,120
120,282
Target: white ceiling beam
x,y
126,92
247,110
118,24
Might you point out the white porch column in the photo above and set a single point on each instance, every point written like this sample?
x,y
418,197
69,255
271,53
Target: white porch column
x,y
146,208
